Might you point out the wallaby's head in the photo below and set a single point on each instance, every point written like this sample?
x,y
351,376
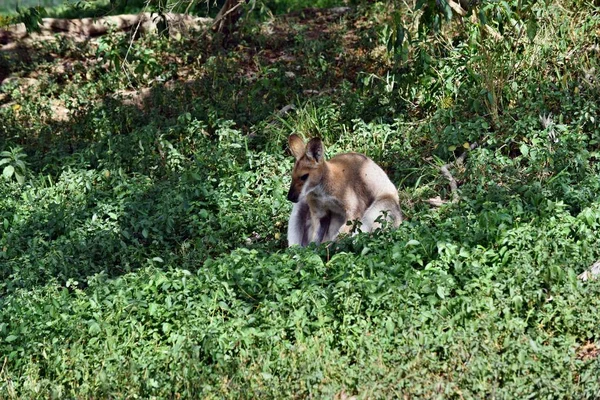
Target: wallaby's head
x,y
309,166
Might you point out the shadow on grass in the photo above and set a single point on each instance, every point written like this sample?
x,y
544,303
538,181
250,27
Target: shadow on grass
x,y
147,190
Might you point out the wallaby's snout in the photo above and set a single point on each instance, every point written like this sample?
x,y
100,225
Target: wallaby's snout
x,y
293,195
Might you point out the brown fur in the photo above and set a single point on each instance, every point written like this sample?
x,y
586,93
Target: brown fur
x,y
348,187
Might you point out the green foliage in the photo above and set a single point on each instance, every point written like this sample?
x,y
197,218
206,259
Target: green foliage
x,y
139,61
11,5
31,17
143,252
6,21
282,323
501,15
13,164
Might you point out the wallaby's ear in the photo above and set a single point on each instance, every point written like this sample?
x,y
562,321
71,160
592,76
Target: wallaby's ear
x,y
315,150
297,146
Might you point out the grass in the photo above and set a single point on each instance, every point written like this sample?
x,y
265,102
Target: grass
x,y
144,254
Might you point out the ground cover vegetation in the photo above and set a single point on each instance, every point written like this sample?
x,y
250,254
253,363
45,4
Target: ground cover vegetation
x,y
143,209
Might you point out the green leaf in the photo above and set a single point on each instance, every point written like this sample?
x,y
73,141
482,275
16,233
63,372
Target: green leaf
x,y
8,171
440,292
534,346
447,11
532,28
11,338
524,149
390,326
420,4
399,37
266,376
482,17
94,327
20,164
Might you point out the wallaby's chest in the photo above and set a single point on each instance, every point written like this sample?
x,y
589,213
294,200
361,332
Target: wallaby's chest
x,y
321,203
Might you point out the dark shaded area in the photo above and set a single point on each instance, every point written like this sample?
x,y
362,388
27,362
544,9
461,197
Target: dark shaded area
x,y
150,210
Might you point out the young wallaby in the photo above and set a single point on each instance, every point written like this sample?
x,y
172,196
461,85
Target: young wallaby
x,y
329,193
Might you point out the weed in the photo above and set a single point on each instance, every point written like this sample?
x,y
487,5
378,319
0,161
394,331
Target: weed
x,y
14,164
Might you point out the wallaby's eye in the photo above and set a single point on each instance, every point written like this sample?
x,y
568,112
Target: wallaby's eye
x,y
304,177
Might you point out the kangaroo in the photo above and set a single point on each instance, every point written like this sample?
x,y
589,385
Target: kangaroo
x,y
329,193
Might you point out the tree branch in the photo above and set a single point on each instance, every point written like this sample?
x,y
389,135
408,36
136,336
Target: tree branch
x,y
445,170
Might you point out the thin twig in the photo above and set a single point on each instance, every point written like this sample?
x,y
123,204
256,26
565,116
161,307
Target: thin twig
x,y
135,33
220,18
445,169
3,365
